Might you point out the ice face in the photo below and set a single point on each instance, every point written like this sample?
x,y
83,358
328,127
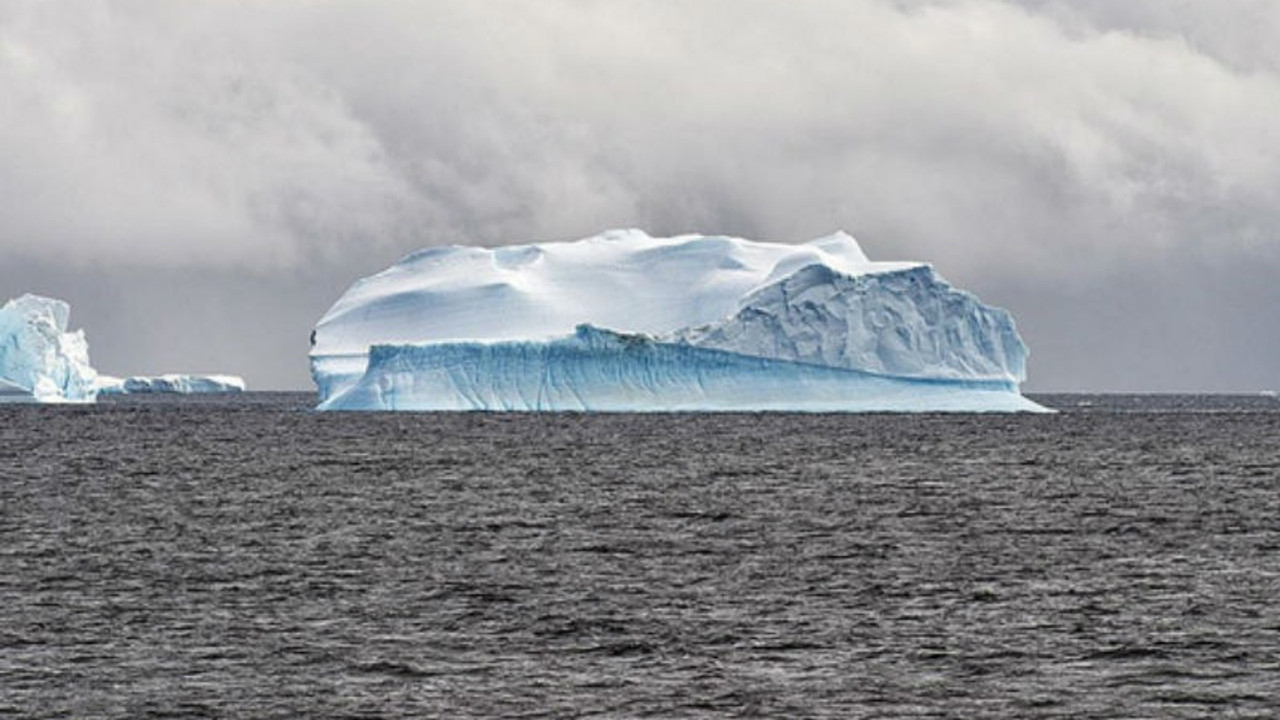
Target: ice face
x,y
596,370
39,360
908,323
173,384
831,326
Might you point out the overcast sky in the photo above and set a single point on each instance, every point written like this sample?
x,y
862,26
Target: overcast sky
x,y
201,180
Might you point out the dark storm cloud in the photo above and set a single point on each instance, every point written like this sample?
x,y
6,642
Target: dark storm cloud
x,y
1059,158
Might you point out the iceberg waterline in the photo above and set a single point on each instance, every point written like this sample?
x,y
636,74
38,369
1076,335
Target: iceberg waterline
x,y
626,322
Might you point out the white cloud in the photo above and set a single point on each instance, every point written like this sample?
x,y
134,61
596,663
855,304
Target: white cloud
x,y
988,136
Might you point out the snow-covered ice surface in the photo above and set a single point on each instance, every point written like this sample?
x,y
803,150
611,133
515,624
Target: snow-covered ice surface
x,y
172,384
40,361
685,323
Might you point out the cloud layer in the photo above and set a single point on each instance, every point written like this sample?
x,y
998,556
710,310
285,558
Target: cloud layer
x,y
1042,144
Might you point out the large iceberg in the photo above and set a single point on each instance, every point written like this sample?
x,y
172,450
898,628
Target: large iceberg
x,y
40,361
627,322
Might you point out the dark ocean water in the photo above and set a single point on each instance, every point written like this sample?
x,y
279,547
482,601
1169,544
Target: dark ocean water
x,y
246,558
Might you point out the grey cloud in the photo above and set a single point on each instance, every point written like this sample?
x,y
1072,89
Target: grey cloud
x,y
1241,33
150,134
1038,152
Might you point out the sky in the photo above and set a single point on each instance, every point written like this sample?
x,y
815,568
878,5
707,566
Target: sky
x,y
202,180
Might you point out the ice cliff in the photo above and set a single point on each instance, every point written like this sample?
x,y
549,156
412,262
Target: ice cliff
x,y
40,361
624,321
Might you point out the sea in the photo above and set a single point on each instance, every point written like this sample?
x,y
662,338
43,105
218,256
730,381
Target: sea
x,y
246,557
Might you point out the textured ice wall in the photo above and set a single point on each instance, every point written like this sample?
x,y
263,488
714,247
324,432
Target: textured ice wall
x,y
908,323
598,370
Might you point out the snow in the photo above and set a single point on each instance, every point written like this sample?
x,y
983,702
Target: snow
x,y
728,323
597,370
40,361
174,384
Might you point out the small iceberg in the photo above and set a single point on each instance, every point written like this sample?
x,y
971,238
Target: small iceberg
x,y
173,384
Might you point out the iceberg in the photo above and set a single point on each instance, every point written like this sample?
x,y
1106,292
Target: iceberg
x,y
40,361
627,322
171,384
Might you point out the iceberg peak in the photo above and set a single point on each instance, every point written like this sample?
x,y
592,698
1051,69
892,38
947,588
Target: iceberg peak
x,y
842,245
622,235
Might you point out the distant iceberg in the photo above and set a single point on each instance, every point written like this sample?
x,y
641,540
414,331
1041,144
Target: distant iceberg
x,y
171,384
626,322
40,361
